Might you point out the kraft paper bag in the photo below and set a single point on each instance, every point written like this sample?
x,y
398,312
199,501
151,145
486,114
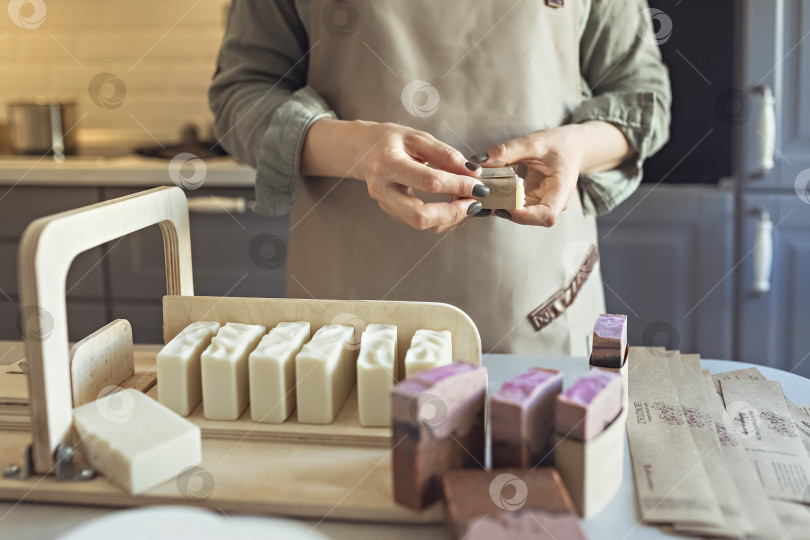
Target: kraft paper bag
x,y
756,503
671,483
689,385
801,417
747,374
766,430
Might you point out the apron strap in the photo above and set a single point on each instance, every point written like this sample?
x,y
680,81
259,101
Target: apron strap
x,y
558,302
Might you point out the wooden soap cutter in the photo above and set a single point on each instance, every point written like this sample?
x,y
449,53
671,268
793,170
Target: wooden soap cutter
x,y
104,359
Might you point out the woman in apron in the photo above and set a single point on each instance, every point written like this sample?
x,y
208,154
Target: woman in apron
x,y
356,112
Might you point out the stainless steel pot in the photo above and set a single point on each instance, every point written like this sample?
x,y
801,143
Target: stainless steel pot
x,y
41,127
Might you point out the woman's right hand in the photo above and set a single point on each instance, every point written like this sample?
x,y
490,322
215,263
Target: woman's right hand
x,y
393,161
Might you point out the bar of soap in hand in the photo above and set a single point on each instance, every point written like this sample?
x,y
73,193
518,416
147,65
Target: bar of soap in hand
x,y
506,189
179,373
609,341
438,425
225,380
591,404
512,503
522,418
272,372
429,349
134,441
376,373
325,372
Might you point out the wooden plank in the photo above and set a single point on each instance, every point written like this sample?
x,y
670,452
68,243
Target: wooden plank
x,y
310,481
345,430
104,358
180,311
47,248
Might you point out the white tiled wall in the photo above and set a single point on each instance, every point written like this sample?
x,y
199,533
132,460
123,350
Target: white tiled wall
x,y
163,50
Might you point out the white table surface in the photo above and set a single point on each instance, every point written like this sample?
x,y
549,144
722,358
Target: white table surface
x,y
26,521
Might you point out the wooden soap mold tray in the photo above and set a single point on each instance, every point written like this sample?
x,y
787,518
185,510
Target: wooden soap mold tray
x,y
278,471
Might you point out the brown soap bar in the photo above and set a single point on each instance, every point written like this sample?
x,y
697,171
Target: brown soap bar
x,y
591,404
506,190
509,503
522,418
609,341
438,424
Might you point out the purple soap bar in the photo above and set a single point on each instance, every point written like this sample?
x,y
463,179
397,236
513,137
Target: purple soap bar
x,y
590,405
437,425
522,418
525,384
609,341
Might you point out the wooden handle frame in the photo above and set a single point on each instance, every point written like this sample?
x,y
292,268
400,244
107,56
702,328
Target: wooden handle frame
x,y
47,249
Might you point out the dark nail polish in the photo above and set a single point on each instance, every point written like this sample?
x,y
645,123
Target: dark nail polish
x,y
480,158
480,190
503,214
472,166
484,213
474,208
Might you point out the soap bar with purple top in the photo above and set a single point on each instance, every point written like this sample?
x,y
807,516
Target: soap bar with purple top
x,y
522,418
584,411
509,503
438,424
609,341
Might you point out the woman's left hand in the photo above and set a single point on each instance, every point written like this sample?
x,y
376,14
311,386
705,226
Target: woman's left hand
x,y
555,158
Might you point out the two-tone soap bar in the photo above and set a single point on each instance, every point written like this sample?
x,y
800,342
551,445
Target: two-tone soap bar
x,y
609,341
512,503
592,403
506,189
522,418
438,425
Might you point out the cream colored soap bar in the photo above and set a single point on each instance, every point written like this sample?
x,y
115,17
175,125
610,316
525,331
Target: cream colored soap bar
x,y
272,372
376,373
225,381
179,374
136,442
429,349
325,372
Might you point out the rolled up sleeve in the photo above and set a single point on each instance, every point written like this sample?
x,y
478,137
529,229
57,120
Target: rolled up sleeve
x,y
261,103
626,84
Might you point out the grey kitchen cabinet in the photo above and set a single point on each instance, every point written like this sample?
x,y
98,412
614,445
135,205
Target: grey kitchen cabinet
x,y
233,254
776,55
85,286
772,326
83,318
666,258
775,325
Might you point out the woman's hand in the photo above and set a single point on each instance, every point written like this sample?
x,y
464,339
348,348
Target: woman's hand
x,y
393,161
555,158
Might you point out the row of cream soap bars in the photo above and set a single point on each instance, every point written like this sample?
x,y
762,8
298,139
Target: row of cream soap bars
x,y
227,367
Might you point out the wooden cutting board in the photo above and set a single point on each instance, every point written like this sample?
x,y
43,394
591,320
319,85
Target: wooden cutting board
x,y
334,471
294,479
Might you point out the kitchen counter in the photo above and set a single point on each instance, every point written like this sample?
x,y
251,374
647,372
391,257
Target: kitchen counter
x,y
617,520
129,170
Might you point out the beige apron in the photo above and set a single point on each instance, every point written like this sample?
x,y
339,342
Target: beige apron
x,y
495,70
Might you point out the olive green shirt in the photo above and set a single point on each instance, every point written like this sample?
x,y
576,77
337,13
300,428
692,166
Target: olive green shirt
x,y
264,107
